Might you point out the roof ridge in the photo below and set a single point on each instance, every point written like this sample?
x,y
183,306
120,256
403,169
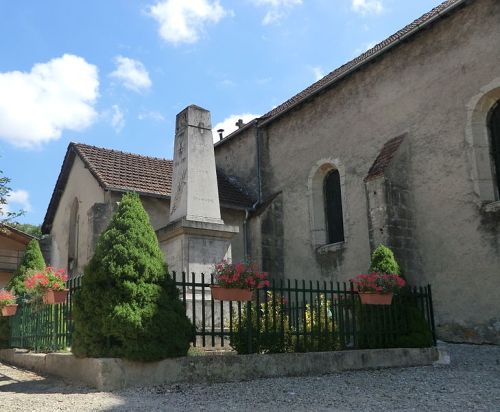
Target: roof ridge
x,y
121,152
362,58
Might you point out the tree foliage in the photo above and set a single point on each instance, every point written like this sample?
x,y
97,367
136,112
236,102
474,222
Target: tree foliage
x,y
383,261
33,230
5,215
31,260
128,305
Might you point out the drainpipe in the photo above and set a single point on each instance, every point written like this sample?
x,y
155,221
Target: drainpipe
x,y
259,194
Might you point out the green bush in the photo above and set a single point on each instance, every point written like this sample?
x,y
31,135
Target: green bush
x,y
31,260
319,328
383,261
128,305
275,338
408,328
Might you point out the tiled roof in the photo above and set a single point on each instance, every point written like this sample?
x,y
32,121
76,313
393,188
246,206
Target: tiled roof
x,y
121,171
356,63
363,58
384,158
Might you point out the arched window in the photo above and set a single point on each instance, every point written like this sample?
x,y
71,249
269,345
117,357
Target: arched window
x,y
327,204
494,132
73,238
333,207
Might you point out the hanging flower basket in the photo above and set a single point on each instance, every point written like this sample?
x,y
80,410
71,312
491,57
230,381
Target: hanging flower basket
x,y
234,294
375,298
52,297
9,310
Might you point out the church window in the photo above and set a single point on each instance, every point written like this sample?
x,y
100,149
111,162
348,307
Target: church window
x,y
73,238
327,211
333,207
494,129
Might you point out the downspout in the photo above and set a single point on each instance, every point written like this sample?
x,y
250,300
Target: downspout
x,y
259,196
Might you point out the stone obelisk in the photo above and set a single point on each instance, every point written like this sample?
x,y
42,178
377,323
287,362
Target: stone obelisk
x,y
196,237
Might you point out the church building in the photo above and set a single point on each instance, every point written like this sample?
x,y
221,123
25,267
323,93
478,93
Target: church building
x,y
400,146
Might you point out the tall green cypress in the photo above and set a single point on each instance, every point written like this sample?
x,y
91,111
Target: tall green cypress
x,y
31,260
128,305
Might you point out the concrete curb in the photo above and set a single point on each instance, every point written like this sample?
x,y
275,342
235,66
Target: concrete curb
x,y
108,374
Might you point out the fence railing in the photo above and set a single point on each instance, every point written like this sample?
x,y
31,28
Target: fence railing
x,y
290,315
44,327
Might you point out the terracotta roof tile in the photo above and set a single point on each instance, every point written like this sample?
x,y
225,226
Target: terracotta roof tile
x,y
342,70
384,158
121,171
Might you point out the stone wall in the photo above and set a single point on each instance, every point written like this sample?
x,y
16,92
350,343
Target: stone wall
x,y
435,218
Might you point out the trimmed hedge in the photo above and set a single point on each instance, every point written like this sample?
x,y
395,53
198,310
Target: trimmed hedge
x,y
128,305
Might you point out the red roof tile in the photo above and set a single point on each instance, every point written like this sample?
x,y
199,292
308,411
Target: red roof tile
x,y
121,171
384,158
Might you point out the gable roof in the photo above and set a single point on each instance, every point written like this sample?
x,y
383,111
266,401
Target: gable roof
x,y
384,158
338,74
127,172
15,234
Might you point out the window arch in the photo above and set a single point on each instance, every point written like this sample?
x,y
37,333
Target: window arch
x,y
327,203
332,195
494,132
482,138
73,237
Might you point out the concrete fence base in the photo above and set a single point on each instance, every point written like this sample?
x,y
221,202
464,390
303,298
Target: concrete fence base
x,y
108,374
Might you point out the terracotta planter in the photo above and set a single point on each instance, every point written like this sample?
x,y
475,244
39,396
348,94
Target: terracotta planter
x,y
52,297
234,294
9,310
375,298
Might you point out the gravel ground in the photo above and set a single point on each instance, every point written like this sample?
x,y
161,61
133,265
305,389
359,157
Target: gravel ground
x,y
470,383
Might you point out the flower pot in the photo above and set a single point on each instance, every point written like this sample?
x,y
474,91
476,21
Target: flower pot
x,y
9,310
375,298
52,297
234,294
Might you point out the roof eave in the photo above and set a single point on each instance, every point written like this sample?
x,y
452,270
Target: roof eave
x,y
264,121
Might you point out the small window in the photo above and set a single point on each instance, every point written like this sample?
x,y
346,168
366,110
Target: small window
x,y
494,128
333,207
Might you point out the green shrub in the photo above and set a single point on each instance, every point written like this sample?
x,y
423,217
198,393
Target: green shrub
x,y
408,328
275,338
319,328
128,305
383,261
31,260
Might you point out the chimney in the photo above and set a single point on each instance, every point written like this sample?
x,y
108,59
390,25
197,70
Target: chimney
x,y
220,131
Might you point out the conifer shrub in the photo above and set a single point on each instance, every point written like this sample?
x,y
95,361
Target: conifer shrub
x,y
128,305
383,261
31,260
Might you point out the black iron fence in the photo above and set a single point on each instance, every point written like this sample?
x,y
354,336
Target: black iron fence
x,y
288,316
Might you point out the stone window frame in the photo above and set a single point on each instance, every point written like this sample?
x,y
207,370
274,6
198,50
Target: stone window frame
x,y
478,140
316,200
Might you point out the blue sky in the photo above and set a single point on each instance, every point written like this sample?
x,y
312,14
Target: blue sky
x,y
115,73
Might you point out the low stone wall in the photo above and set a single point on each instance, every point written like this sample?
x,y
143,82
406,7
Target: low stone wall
x,y
110,374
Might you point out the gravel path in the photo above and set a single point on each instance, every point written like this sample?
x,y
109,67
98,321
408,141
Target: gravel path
x,y
470,383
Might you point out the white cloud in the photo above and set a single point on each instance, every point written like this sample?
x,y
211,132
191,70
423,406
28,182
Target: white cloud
x,y
20,198
229,124
277,9
131,73
117,118
151,115
317,72
182,21
367,6
36,106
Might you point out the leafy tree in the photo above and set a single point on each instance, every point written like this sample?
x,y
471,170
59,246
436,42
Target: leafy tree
x,y
31,260
383,261
128,305
5,215
33,230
